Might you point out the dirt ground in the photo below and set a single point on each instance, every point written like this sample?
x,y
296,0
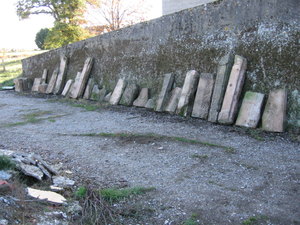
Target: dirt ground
x,y
214,174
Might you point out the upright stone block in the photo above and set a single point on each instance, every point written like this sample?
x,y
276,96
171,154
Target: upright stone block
x,y
88,89
44,76
185,103
142,100
150,104
274,115
52,82
61,78
118,91
223,72
102,94
42,88
130,94
107,97
173,102
80,83
36,84
203,95
18,84
67,88
250,112
233,91
164,94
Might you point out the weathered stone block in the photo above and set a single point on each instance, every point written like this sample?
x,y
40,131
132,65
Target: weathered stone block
x,y
102,94
130,94
22,84
223,72
52,82
88,89
118,91
203,95
173,102
274,115
67,88
235,85
150,104
44,76
164,94
185,103
61,78
142,100
107,97
42,88
36,84
18,84
250,112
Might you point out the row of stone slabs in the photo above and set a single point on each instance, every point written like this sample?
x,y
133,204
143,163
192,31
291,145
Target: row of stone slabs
x,y
205,96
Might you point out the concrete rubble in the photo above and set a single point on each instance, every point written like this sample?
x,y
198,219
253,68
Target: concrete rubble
x,y
107,97
130,93
142,99
165,92
118,91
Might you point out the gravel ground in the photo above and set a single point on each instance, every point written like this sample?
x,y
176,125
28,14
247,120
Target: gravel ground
x,y
256,179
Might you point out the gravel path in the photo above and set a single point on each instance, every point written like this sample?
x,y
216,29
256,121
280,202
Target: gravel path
x,y
220,185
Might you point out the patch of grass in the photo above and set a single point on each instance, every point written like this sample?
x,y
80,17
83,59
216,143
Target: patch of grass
x,y
6,163
114,195
52,120
87,107
253,220
192,220
229,150
256,134
81,192
197,156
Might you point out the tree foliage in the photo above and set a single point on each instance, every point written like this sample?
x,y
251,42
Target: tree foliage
x,y
41,37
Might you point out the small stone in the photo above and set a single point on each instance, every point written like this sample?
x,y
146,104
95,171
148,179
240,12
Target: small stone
x,y
173,102
118,91
130,94
142,99
54,188
3,222
60,181
67,88
150,104
61,77
74,208
31,171
46,195
165,92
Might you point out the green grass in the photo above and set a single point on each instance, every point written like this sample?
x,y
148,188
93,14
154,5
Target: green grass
x,y
114,195
250,221
197,156
192,220
6,163
81,192
255,220
87,107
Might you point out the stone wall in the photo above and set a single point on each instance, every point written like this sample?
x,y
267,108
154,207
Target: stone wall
x,y
171,6
266,32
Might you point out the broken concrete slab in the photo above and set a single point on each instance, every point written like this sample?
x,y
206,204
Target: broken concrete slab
x,y
52,82
81,80
36,83
32,171
150,104
173,102
234,88
165,92
142,99
274,116
88,89
42,88
203,95
63,182
130,94
46,195
67,88
61,77
118,91
186,99
250,111
223,72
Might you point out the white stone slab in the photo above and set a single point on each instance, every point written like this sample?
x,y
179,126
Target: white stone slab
x,y
164,94
173,102
61,77
52,82
118,91
88,89
142,100
36,84
67,88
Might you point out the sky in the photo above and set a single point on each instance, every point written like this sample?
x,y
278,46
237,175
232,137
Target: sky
x,y
20,34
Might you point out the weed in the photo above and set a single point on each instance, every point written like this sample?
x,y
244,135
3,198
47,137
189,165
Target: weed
x,y
229,150
85,106
81,192
6,163
192,220
250,221
197,156
256,134
52,120
255,220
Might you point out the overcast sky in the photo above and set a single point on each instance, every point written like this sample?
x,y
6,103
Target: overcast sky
x,y
21,34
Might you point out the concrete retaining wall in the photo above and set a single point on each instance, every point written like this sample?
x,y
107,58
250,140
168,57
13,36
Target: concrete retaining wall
x,y
266,32
171,6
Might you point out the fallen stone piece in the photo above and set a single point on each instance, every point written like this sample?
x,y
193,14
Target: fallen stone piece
x,y
44,170
51,85
8,88
74,208
37,158
250,112
150,104
118,91
42,88
61,77
88,89
46,195
54,188
164,94
81,80
274,116
63,182
130,94
67,88
3,222
223,72
203,96
32,171
142,99
107,97
173,102
44,76
36,84
234,88
185,103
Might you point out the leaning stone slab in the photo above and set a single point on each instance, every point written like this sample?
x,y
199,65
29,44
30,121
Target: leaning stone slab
x,y
142,100
67,88
185,103
150,104
95,93
42,88
80,83
102,94
274,115
223,72
203,96
118,91
63,182
44,76
52,82
32,171
164,94
107,97
130,94
18,85
250,112
36,84
88,89
234,88
173,102
46,195
61,78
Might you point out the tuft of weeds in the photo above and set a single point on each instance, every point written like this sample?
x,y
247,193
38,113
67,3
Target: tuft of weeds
x,y
81,192
197,156
229,150
255,220
87,107
193,220
6,163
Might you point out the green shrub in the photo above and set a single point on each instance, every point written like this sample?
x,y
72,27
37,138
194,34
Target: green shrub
x,y
6,163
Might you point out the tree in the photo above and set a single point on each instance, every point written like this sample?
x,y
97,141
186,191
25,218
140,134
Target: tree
x,y
41,37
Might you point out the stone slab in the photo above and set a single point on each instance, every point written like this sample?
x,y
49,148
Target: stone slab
x,y
22,84
44,76
61,77
107,97
42,88
274,116
185,103
18,85
52,82
118,91
67,88
150,104
95,93
80,83
234,88
130,94
250,111
173,102
142,99
46,195
36,84
102,94
223,72
165,92
88,89
203,96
